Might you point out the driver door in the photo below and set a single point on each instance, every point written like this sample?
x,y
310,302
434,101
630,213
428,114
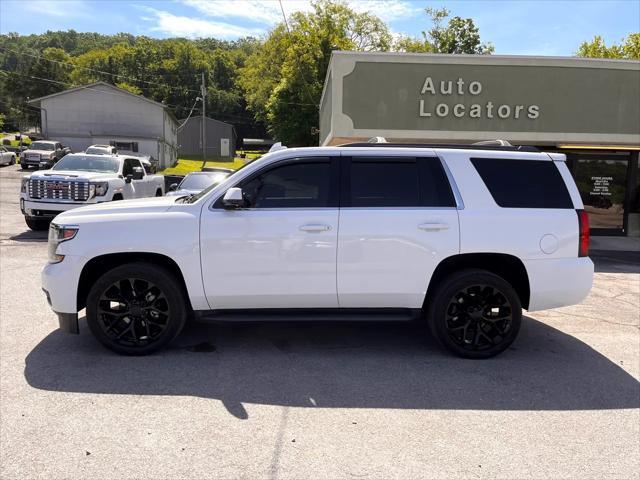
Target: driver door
x,y
137,188
280,250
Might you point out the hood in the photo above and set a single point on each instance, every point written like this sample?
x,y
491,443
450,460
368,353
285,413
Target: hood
x,y
120,207
39,152
70,175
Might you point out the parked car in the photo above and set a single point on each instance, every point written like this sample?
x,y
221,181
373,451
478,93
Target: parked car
x,y
462,237
80,179
7,157
43,154
195,182
101,150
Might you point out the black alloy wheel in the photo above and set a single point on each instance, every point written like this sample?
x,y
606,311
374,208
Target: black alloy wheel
x,y
475,314
478,317
136,309
133,312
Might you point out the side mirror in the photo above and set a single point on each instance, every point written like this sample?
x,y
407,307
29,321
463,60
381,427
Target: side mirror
x,y
128,178
173,187
138,174
233,198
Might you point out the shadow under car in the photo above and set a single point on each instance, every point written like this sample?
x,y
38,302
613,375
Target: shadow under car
x,y
346,365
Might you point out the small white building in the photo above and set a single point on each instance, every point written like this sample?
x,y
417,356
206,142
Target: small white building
x,y
101,113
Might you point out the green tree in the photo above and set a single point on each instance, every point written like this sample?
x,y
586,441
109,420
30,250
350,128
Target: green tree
x,y
629,48
282,80
458,35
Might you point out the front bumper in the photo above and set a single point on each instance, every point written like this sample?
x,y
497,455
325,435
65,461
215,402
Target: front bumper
x,y
48,209
60,285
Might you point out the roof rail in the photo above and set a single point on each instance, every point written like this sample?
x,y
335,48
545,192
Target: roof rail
x,y
473,146
497,142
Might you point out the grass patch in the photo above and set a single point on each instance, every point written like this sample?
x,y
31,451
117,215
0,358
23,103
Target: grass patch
x,y
186,165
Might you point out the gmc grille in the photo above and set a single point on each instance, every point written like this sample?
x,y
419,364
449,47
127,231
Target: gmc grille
x,y
59,190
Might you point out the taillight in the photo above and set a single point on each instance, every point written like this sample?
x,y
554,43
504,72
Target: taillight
x,y
583,228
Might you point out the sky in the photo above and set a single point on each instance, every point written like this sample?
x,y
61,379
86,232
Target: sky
x,y
543,27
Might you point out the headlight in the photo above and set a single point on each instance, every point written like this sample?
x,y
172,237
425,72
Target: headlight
x,y
57,235
23,184
99,189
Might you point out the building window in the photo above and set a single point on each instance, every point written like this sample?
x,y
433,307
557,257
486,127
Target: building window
x,y
125,146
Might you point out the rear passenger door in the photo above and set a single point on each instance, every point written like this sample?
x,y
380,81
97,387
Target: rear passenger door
x,y
398,220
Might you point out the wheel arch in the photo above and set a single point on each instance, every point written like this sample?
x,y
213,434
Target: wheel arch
x,y
508,267
99,265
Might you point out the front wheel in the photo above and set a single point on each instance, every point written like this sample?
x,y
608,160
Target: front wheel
x,y
475,314
37,224
24,166
136,309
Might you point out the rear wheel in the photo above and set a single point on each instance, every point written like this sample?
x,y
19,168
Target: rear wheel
x,y
136,309
37,224
475,314
13,160
158,193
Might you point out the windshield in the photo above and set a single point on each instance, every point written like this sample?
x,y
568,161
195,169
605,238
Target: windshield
x,y
41,146
199,181
88,164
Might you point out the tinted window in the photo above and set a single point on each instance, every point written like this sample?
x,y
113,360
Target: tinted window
x,y
290,186
397,182
129,165
523,183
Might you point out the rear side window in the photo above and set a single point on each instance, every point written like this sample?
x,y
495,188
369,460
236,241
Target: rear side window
x,y
515,183
397,182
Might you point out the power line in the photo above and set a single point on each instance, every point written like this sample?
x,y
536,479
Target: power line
x,y
49,80
39,57
189,116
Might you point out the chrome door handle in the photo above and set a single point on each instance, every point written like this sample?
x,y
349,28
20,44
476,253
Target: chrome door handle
x,y
430,227
315,227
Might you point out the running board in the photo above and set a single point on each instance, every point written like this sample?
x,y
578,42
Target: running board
x,y
309,315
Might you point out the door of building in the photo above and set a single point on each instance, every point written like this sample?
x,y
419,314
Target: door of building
x,y
602,179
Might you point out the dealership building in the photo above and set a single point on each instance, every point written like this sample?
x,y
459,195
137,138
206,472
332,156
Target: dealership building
x,y
588,109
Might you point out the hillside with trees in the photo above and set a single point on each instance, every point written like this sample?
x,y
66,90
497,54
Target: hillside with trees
x,y
266,86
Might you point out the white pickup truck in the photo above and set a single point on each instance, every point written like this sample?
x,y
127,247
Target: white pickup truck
x,y
80,179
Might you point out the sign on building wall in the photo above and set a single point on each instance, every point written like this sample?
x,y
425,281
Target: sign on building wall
x,y
434,96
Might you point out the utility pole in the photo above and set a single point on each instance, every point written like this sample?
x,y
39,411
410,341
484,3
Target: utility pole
x,y
204,125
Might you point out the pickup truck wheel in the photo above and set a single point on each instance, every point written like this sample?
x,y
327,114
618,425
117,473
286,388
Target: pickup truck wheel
x,y
475,314
24,166
37,224
136,309
158,193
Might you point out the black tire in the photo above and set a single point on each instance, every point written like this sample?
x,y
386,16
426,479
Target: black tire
x,y
117,197
141,323
158,193
37,224
13,160
24,166
475,314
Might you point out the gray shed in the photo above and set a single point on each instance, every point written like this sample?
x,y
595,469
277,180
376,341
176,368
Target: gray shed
x,y
220,138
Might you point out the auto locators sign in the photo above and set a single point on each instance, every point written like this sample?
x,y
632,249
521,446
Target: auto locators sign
x,y
432,103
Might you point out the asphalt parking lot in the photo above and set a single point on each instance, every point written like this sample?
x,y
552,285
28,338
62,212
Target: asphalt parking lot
x,y
328,401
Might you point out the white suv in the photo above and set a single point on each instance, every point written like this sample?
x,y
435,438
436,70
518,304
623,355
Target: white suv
x,y
462,237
